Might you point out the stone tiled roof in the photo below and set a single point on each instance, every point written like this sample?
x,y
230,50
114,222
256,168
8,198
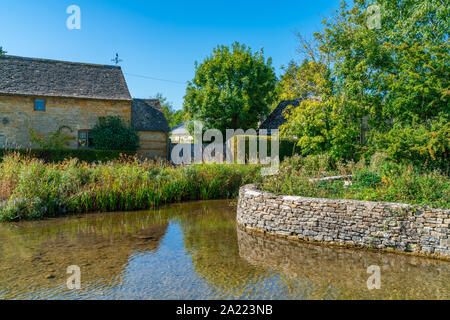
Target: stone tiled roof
x,y
276,118
51,78
147,115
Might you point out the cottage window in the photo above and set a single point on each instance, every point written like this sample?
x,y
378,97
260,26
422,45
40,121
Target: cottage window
x,y
39,105
84,139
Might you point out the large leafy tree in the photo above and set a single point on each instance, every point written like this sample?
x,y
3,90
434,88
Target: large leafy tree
x,y
391,77
399,70
2,52
112,133
233,88
311,122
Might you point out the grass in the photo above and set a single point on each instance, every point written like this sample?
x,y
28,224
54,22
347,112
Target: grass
x,y
31,189
380,180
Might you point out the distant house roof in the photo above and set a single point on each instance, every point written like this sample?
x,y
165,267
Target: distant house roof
x,y
51,78
147,115
180,129
276,118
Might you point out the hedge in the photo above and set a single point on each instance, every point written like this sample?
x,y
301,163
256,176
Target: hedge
x,y
88,155
288,147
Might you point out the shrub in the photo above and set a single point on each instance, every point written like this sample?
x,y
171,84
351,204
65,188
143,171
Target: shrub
x,y
386,182
57,140
425,146
111,133
123,185
288,147
367,178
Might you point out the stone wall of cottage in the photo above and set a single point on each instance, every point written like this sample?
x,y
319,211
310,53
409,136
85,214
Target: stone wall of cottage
x,y
153,144
379,225
77,114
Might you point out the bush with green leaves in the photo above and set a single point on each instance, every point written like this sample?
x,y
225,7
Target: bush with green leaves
x,y
31,189
57,140
424,145
381,180
112,133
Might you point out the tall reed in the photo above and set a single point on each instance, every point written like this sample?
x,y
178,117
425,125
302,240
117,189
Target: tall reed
x,y
32,189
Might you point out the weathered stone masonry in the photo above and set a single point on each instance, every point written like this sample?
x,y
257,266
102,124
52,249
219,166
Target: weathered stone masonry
x,y
380,225
76,114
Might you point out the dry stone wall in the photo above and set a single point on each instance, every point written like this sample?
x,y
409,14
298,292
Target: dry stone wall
x,y
380,225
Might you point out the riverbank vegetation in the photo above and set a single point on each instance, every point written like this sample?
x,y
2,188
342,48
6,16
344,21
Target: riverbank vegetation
x,y
373,85
32,189
377,179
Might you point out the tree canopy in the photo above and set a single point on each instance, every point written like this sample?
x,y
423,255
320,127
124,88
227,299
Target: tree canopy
x,y
233,88
384,82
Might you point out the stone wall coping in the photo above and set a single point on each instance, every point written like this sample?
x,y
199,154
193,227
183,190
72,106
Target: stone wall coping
x,y
253,190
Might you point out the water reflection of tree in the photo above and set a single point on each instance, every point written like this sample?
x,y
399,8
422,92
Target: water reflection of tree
x,y
209,233
35,255
234,263
317,272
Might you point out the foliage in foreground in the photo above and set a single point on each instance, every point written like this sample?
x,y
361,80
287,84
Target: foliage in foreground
x,y
112,133
382,89
380,180
34,189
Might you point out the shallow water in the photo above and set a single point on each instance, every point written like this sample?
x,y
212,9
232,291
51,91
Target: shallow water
x,y
195,251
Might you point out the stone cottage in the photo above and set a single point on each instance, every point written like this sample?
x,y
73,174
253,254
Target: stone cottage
x,y
46,95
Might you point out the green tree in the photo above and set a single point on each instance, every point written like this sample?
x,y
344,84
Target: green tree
x,y
309,79
112,133
2,52
391,77
177,118
233,88
173,117
312,121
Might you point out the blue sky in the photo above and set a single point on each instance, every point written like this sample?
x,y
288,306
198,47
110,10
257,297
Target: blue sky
x,y
158,39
